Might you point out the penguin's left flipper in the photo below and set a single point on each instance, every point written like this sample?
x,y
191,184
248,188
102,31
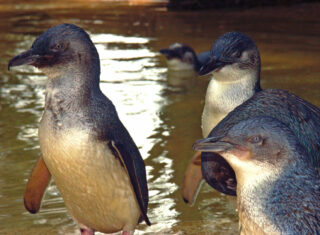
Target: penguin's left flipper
x,y
36,186
135,168
192,180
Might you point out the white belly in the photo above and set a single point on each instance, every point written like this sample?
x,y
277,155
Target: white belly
x,y
94,186
216,106
210,118
221,99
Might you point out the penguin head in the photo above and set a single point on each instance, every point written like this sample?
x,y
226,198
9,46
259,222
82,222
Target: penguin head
x,y
181,52
255,147
233,55
181,57
59,48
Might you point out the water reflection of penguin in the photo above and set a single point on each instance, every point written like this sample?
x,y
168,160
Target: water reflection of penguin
x,y
95,163
278,188
183,65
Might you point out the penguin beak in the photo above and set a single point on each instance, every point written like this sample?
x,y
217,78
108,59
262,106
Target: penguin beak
x,y
213,144
26,57
168,53
212,65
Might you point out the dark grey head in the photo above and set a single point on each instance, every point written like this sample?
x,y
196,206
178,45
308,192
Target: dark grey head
x,y
233,54
182,53
255,146
59,48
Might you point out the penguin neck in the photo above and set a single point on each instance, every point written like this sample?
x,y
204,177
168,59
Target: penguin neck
x,y
196,64
262,197
224,94
231,80
72,89
253,191
179,65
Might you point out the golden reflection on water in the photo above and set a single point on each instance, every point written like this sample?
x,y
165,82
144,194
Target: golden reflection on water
x,y
161,109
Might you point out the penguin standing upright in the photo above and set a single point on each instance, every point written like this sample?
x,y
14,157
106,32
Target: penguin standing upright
x,y
93,160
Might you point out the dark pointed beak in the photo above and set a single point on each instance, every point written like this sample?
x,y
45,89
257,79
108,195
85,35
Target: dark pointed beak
x,y
26,57
213,144
168,53
164,51
212,65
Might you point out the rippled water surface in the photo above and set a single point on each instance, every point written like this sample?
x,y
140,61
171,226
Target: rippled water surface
x,y
161,110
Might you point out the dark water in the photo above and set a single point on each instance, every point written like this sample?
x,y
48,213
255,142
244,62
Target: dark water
x,y
162,112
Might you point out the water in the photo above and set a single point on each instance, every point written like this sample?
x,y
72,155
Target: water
x,y
161,111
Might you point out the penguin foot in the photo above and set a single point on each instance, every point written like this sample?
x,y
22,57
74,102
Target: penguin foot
x,y
86,231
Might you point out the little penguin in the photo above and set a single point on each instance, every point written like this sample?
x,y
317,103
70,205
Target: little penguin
x,y
278,189
235,67
92,158
181,57
300,116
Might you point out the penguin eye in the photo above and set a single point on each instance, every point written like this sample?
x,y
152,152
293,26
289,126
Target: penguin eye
x,y
236,54
255,139
57,47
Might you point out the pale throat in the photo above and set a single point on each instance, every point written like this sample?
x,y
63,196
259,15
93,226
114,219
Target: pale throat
x,y
253,184
232,73
227,90
177,64
231,87
251,173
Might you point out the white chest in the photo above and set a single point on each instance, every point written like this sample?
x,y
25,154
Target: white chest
x,y
94,186
221,98
175,64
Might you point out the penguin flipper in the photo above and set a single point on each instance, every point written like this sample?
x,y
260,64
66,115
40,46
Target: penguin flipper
x,y
192,180
36,186
130,166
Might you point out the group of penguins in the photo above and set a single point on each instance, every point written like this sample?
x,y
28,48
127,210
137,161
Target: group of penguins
x,y
262,146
